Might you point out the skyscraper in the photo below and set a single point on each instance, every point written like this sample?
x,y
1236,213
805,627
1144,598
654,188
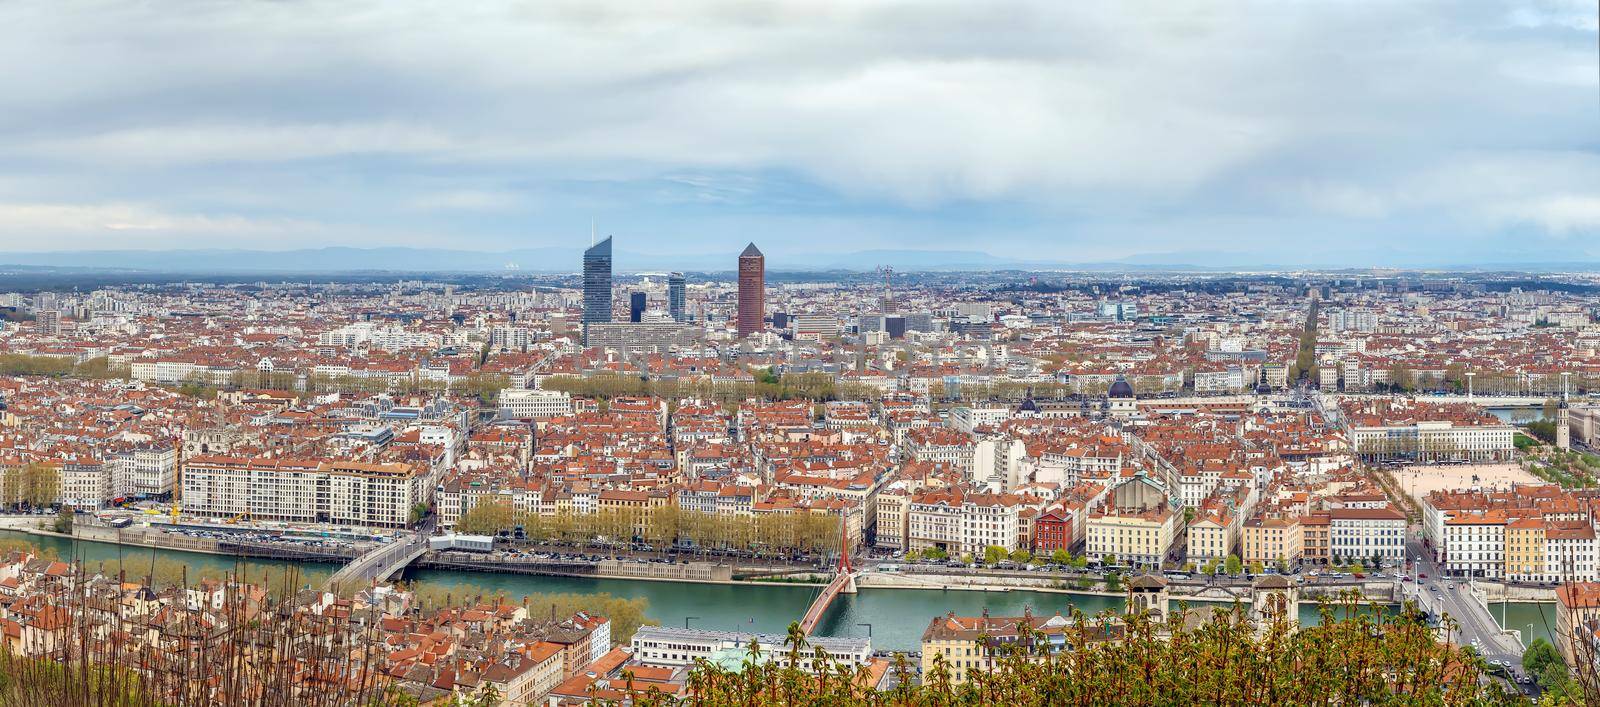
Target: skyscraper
x,y
596,285
636,302
752,290
675,296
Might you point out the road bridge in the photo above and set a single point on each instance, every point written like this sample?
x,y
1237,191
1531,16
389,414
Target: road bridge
x,y
381,562
1441,596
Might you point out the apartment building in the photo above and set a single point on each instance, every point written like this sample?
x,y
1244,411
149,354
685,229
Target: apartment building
x,y
1367,535
940,445
668,645
1577,611
144,471
1426,432
1053,530
1569,551
1475,544
1525,550
304,490
974,644
1273,539
894,510
1210,537
1314,531
959,521
85,483
1135,523
533,404
965,419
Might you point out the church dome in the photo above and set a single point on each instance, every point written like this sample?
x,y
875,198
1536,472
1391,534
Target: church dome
x,y
1120,388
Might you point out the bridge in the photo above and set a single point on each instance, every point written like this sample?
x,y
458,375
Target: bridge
x,y
844,582
1459,599
381,562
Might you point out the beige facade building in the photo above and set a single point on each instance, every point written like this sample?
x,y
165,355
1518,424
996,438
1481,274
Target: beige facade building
x,y
1270,540
1525,543
303,490
1135,523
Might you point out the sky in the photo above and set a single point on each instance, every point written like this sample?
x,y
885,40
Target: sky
x,y
1277,132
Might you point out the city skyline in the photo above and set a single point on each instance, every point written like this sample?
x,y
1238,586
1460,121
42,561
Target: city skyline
x,y
1336,135
406,352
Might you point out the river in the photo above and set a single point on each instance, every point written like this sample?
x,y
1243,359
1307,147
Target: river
x,y
895,618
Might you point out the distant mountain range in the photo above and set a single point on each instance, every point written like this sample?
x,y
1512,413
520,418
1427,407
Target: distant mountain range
x,y
558,259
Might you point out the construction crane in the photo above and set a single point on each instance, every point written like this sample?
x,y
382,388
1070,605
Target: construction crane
x,y
888,293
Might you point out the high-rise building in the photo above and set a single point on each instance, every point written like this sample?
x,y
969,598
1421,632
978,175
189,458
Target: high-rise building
x,y
752,290
596,285
47,322
675,297
636,303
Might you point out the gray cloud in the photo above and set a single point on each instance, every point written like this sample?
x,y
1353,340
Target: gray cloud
x,y
1165,120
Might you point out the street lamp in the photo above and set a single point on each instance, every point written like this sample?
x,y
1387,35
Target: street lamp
x,y
686,621
869,629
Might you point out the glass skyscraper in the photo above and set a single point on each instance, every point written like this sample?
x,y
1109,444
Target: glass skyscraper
x,y
675,301
596,285
636,305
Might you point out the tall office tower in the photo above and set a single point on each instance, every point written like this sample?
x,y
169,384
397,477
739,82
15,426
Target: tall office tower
x,y
636,302
596,285
752,290
675,296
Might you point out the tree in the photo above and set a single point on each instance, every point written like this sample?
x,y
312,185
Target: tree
x,y
935,553
1233,564
1549,669
63,522
1401,378
1021,556
993,554
418,512
485,386
1060,557
40,484
1256,567
486,518
1541,654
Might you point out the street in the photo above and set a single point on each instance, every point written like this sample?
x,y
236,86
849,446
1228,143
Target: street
x,y
1476,627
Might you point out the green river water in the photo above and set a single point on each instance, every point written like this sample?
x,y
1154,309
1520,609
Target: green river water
x,y
894,617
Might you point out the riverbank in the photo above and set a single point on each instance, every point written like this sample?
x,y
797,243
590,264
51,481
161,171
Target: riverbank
x,y
690,572
895,617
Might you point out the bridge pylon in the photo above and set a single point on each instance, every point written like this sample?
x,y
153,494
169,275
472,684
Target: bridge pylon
x,y
844,569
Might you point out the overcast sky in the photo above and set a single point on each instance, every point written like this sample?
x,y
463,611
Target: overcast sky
x,y
1075,131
